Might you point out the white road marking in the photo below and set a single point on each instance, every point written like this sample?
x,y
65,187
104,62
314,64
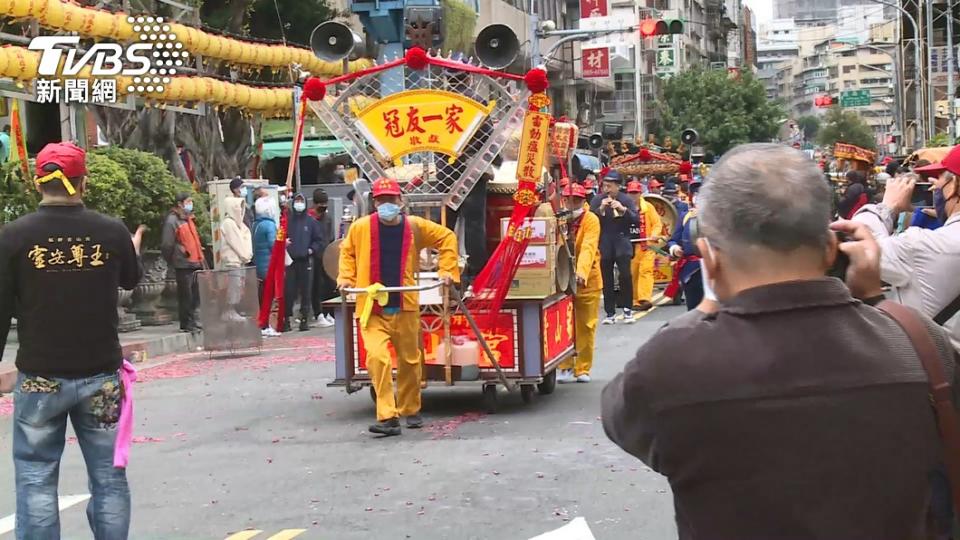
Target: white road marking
x,y
575,530
64,502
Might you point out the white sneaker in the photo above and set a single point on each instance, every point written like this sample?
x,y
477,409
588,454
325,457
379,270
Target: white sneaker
x,y
628,317
607,320
583,378
324,322
331,320
270,332
565,376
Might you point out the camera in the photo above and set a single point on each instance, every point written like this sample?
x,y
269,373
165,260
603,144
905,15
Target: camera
x,y
840,265
922,195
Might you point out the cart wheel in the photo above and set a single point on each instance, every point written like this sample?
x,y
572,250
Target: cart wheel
x,y
490,398
549,383
373,394
526,392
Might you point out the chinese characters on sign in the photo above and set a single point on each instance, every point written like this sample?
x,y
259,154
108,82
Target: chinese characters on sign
x,y
596,62
558,332
76,91
533,146
67,254
421,121
593,8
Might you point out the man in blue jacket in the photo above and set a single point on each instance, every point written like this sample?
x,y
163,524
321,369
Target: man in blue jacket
x,y
686,273
617,213
303,240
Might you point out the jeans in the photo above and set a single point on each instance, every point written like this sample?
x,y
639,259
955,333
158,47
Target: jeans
x,y
41,408
610,300
298,281
188,297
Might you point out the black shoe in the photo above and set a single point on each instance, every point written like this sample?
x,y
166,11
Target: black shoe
x,y
286,326
387,427
643,306
304,324
415,421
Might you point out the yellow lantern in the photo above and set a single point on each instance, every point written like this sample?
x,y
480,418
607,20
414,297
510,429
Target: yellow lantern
x,y
103,24
4,59
247,50
243,95
124,29
5,6
53,15
188,89
20,8
201,42
276,56
229,95
74,17
217,91
31,63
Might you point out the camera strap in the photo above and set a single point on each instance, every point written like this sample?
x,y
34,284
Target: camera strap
x,y
948,312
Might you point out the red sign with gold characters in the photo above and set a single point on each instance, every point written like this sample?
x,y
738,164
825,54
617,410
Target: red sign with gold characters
x,y
595,62
533,146
558,331
849,151
593,8
502,338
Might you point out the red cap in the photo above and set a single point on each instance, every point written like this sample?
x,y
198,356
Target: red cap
x,y
654,184
564,182
950,163
71,159
589,184
634,186
575,190
385,186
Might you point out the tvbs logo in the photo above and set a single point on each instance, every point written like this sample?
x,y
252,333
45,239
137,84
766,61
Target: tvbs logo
x,y
150,61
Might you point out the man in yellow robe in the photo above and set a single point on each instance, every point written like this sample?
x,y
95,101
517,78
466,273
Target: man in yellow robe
x,y
641,267
382,250
584,225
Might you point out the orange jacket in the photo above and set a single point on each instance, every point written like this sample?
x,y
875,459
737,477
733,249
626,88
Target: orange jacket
x,y
588,253
358,256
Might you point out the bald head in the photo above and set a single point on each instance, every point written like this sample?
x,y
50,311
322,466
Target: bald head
x,y
765,197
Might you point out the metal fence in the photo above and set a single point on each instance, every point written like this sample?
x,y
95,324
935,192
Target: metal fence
x,y
228,309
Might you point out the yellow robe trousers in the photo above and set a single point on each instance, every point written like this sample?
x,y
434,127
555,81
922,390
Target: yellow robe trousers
x,y
586,303
401,329
641,267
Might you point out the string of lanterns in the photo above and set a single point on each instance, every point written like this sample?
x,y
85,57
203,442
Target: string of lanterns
x,y
98,23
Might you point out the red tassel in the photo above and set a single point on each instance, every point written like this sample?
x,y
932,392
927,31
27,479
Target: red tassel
x,y
536,80
314,89
417,58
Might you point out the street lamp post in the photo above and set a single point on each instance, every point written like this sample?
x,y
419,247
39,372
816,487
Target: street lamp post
x,y
897,84
919,133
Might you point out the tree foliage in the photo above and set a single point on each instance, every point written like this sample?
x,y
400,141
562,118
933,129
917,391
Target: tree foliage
x,y
841,125
810,125
938,140
725,111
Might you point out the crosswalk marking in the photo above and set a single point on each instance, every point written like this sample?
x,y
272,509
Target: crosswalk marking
x,y
63,502
286,534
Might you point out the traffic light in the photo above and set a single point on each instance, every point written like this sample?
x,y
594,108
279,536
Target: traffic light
x,y
823,101
660,27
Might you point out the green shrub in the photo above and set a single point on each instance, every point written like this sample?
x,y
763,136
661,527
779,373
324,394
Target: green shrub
x,y
154,192
18,196
108,187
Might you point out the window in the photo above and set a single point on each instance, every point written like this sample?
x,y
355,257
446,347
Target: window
x,y
849,69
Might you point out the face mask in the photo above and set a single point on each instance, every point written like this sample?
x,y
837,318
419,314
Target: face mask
x,y
388,211
188,208
940,205
707,289
577,213
299,206
283,200
243,191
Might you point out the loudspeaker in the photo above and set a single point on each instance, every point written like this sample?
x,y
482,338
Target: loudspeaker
x,y
332,41
689,137
497,46
595,141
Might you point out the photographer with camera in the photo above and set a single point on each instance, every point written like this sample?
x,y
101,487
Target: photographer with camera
x,y
921,264
808,405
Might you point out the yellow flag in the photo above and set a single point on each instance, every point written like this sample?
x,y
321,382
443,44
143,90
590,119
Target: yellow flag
x,y
18,141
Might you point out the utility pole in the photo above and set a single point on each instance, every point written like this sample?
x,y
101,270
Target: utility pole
x,y
951,85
